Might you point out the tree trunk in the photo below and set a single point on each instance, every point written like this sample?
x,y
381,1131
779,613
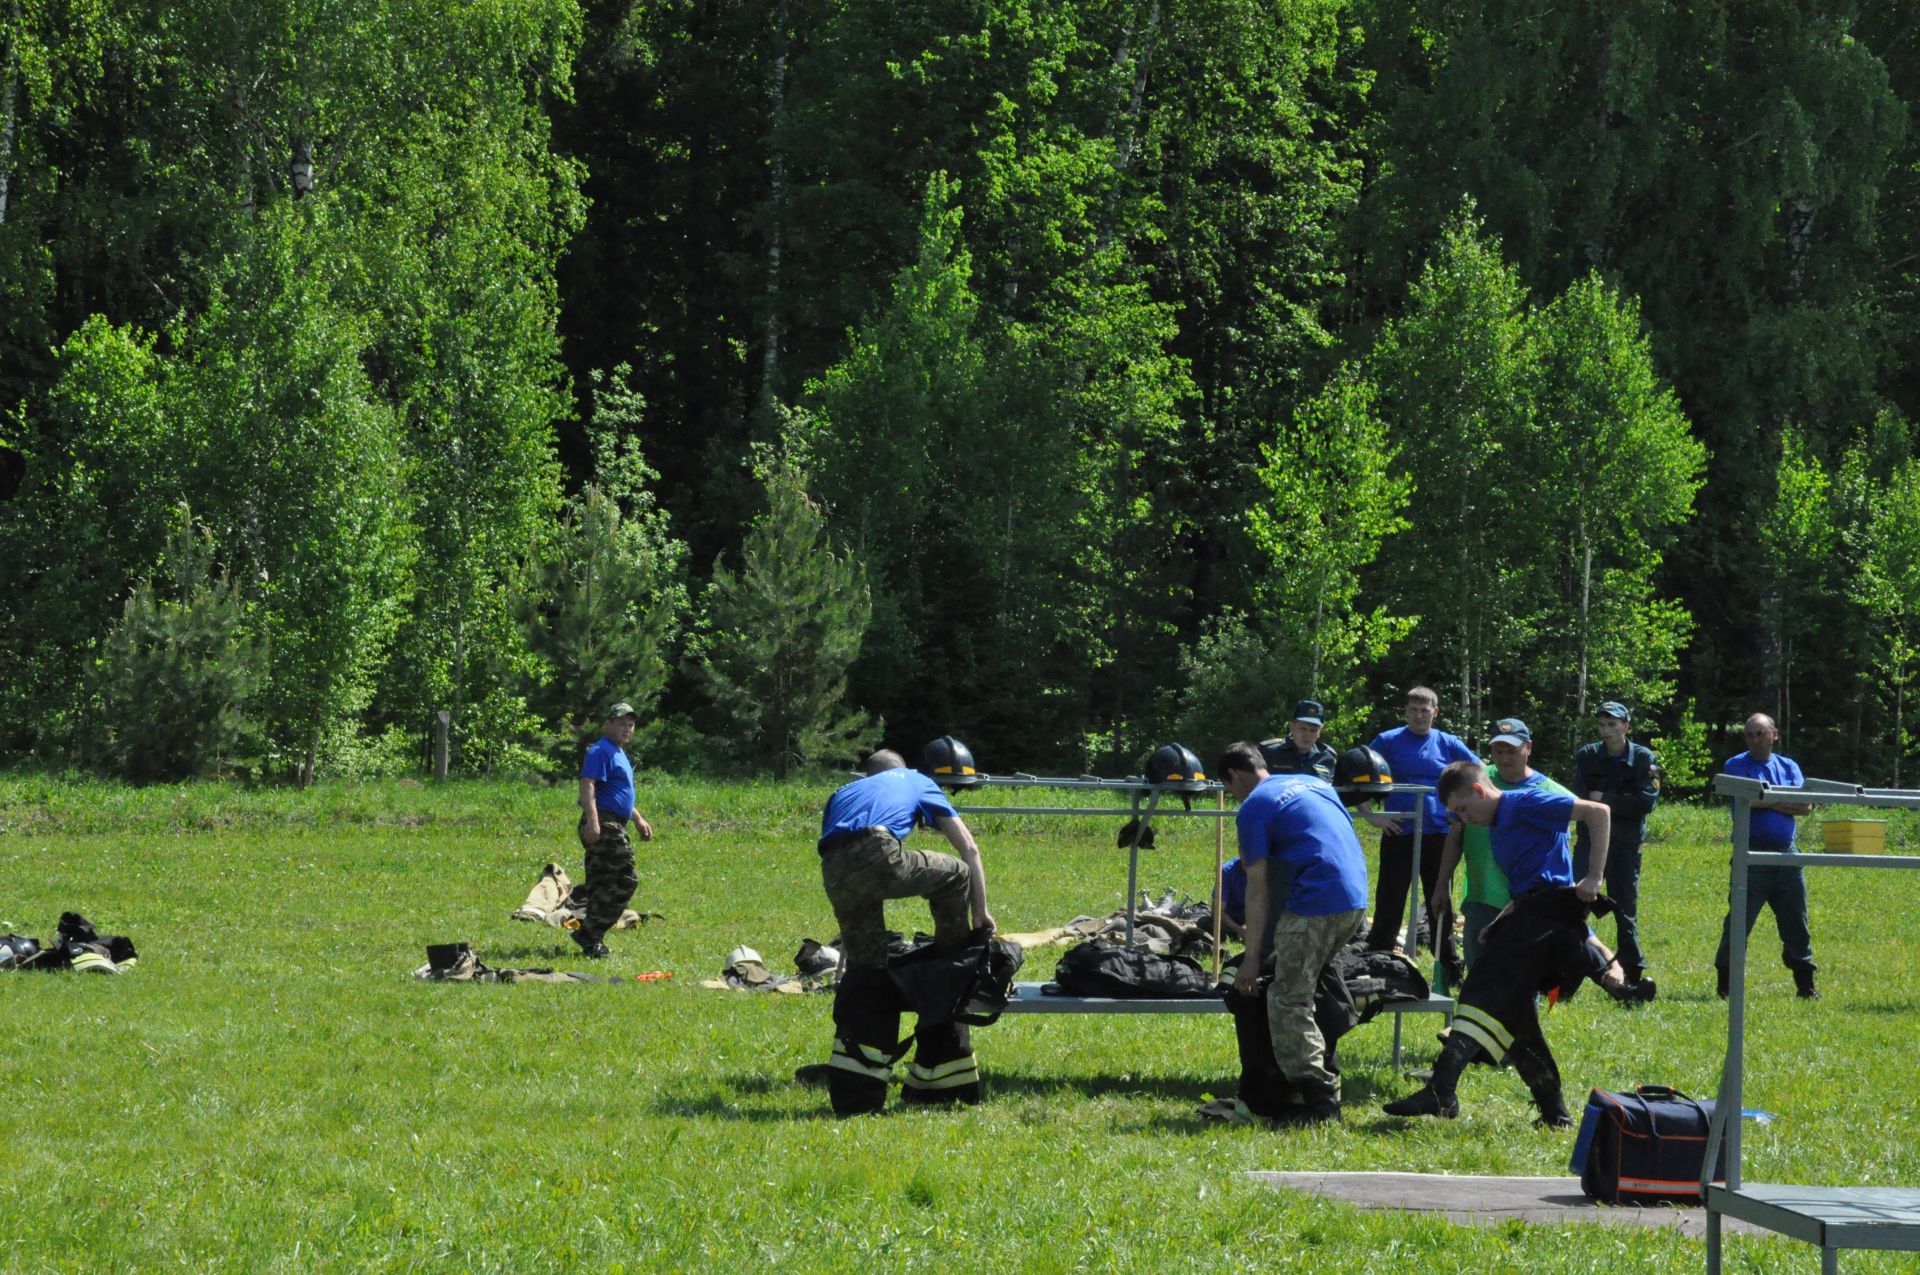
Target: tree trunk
x,y
1586,613
1136,102
1800,216
770,323
9,99
1786,682
1899,724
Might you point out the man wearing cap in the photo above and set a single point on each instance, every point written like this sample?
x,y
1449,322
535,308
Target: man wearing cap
x,y
1540,943
1415,754
1487,892
863,864
1306,893
1301,752
606,807
1782,889
1620,774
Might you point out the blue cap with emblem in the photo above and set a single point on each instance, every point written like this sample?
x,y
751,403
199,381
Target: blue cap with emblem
x,y
1511,730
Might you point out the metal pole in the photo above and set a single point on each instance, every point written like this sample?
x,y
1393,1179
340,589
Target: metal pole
x,y
1219,884
1726,1111
1737,983
1413,889
442,720
1133,856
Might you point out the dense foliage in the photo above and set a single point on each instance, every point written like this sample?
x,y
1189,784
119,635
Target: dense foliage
x,y
1091,370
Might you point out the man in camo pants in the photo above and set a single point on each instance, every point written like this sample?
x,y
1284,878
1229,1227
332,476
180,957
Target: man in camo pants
x,y
606,807
863,864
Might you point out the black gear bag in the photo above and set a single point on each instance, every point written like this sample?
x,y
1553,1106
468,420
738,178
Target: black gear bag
x,y
1644,1147
1101,969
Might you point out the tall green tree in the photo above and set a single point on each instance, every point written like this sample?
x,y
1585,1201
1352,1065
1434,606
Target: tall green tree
x,y
1888,586
1332,498
604,609
1801,540
778,634
1616,468
1724,164
177,675
162,148
1455,379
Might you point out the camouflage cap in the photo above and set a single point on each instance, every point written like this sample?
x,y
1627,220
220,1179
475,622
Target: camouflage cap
x,y
620,708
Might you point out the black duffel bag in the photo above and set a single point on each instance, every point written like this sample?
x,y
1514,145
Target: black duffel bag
x,y
1644,1147
1101,969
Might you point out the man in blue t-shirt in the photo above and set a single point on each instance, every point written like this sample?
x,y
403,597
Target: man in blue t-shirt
x,y
1539,943
1784,889
606,807
1487,891
863,864
1306,893
1415,754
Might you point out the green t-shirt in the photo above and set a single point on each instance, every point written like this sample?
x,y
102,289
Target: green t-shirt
x,y
1486,883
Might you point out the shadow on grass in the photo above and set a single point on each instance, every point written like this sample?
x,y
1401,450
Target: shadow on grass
x,y
742,1098
530,952
1353,1119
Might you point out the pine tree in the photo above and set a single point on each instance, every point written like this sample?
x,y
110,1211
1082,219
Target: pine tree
x,y
605,596
778,634
178,673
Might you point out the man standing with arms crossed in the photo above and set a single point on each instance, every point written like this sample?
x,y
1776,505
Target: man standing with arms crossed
x,y
1618,773
1782,889
1306,892
1415,754
606,806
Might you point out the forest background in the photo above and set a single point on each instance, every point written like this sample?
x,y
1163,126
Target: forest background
x,y
1063,376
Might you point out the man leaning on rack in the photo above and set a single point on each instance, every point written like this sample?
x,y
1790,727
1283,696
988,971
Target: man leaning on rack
x,y
1306,893
1784,889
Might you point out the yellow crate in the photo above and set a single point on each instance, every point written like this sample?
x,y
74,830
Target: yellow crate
x,y
1855,836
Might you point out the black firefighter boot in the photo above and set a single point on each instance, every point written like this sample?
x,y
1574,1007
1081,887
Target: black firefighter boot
x,y
1534,1062
1438,1097
1316,1104
1803,983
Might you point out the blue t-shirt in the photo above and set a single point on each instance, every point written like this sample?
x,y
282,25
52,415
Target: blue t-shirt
x,y
1233,890
897,800
612,774
1529,836
1419,759
1769,828
1299,823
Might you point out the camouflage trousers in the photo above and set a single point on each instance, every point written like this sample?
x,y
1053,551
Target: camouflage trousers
x,y
863,871
611,880
1302,946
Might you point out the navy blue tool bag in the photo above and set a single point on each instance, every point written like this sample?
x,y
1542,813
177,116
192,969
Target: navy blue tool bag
x,y
1644,1147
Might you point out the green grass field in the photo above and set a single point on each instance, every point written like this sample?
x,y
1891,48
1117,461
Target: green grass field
x,y
269,1090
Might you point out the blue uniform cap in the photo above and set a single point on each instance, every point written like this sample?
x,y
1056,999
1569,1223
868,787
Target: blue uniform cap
x,y
1511,730
1614,708
1310,712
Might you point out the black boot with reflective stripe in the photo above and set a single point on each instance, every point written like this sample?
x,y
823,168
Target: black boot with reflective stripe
x,y
943,1070
1534,1061
857,1077
866,1019
1439,1097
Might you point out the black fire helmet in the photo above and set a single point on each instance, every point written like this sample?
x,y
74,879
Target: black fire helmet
x,y
949,763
